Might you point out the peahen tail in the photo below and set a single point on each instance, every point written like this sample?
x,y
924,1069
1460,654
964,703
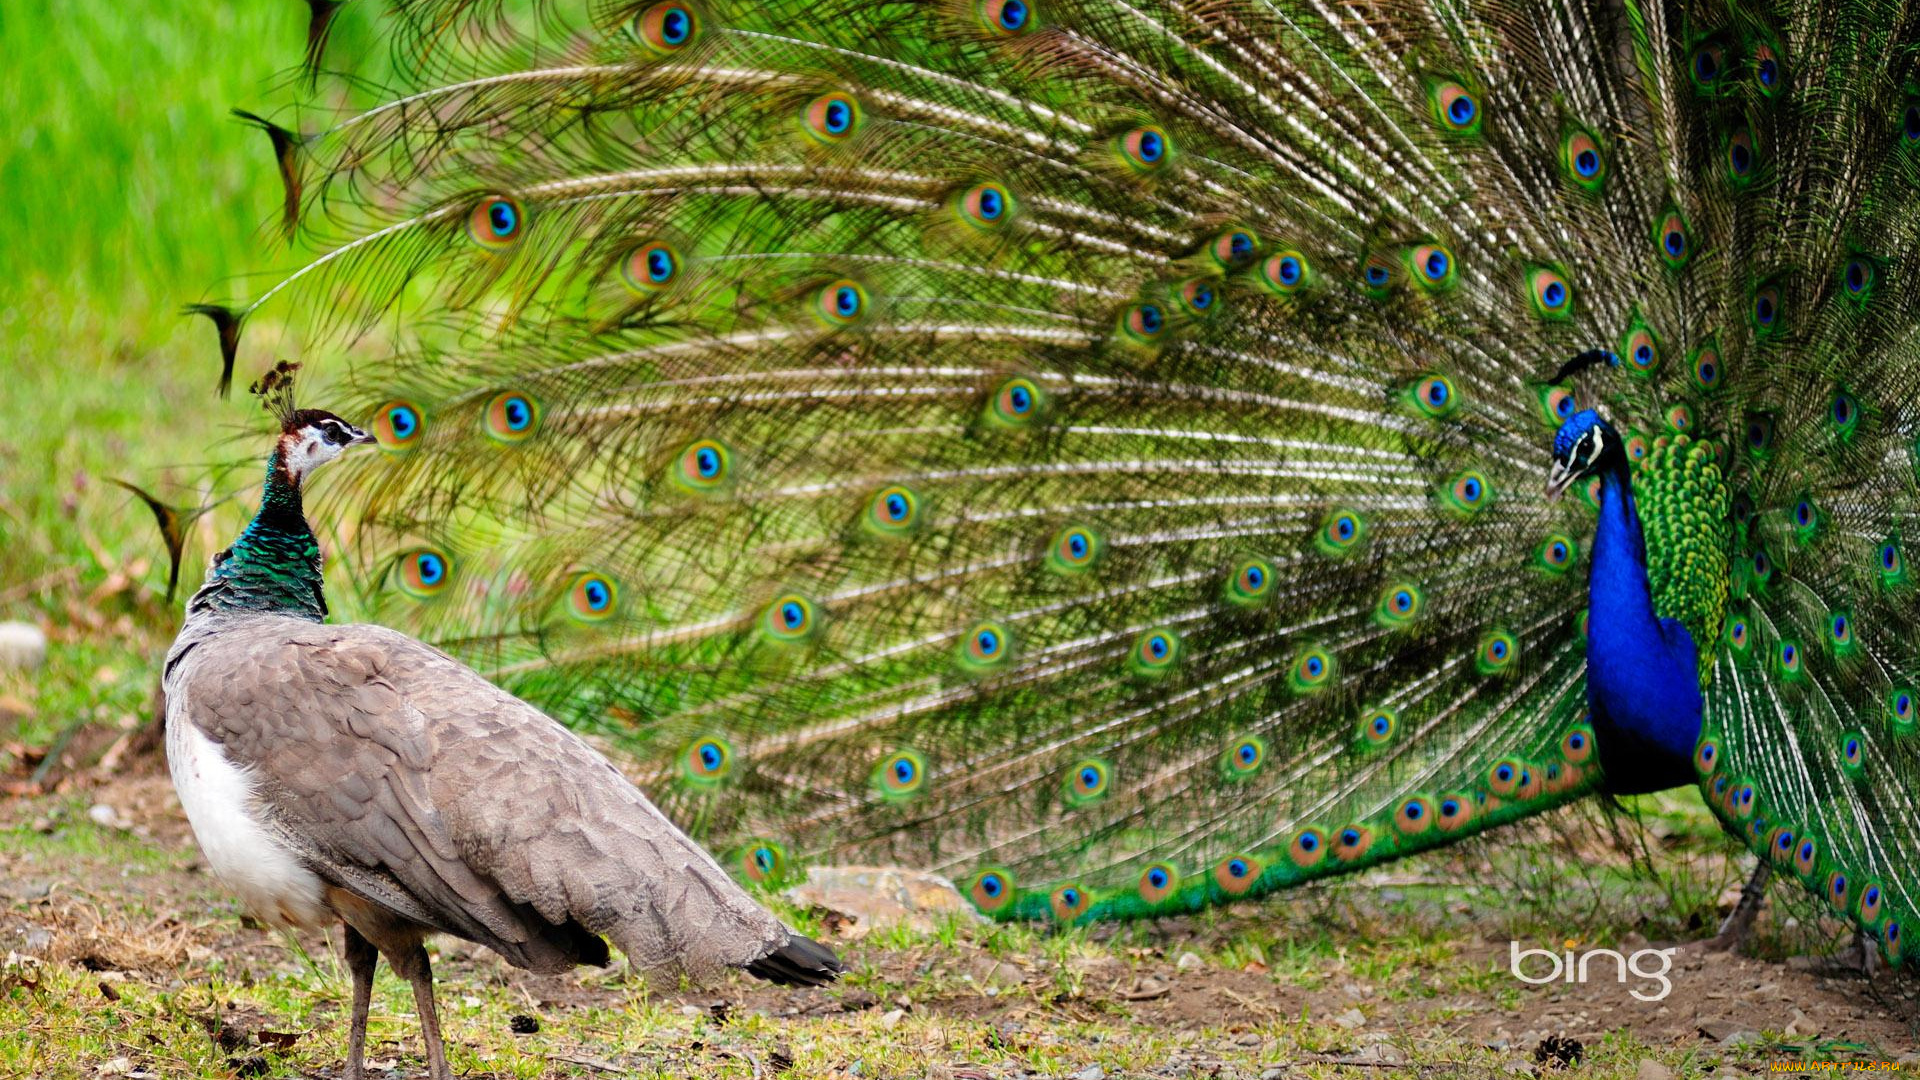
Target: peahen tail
x,y
1094,447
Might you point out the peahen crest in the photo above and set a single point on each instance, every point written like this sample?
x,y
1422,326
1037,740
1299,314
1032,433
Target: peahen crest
x,y
1094,449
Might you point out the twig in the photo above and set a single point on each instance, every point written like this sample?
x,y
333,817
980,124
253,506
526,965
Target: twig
x,y
594,1064
752,1062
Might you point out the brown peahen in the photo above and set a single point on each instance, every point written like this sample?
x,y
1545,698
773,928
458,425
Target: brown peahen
x,y
1095,448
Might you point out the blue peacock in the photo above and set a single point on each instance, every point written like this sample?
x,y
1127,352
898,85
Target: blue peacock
x,y
1094,448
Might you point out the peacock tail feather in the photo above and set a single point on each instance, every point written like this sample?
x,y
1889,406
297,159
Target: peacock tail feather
x,y
1093,448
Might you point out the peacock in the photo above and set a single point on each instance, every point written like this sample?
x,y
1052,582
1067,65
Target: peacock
x,y
1133,455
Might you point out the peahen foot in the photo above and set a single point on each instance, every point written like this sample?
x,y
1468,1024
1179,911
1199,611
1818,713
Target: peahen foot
x,y
1738,925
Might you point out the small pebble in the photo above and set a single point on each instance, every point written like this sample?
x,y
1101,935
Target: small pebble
x,y
1091,1072
1188,961
23,646
1652,1070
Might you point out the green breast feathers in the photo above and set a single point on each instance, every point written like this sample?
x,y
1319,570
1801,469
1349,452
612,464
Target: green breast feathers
x,y
1683,504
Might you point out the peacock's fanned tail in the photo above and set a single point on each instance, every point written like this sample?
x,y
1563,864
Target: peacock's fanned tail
x,y
1094,447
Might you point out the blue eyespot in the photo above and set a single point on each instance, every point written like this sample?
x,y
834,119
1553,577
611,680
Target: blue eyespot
x,y
1461,110
432,568
1554,295
1586,163
839,117
1498,649
1238,868
1013,15
1437,261
1675,243
1158,878
1769,71
1315,665
1309,842
903,770
1289,270
1376,276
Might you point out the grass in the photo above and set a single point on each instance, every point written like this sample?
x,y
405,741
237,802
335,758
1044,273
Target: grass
x,y
128,191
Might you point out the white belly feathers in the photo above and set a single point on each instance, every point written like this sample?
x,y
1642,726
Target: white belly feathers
x,y
218,795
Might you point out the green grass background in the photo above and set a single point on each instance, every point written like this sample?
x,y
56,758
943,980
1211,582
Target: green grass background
x,y
127,190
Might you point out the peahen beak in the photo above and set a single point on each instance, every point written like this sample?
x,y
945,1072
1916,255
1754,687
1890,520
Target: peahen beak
x,y
1560,479
361,437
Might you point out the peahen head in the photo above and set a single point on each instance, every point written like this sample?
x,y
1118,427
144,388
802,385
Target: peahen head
x,y
309,438
312,437
1585,446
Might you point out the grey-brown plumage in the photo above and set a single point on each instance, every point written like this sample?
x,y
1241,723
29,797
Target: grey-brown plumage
x,y
352,772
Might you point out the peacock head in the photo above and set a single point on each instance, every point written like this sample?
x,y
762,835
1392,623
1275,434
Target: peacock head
x,y
309,438
1585,446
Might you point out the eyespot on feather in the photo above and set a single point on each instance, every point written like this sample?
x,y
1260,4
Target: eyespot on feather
x,y
986,206
1006,18
650,268
703,467
893,511
1069,902
1468,493
789,619
985,648
1549,292
495,223
1144,323
1312,670
593,598
1234,247
1496,652
1155,653
1431,266
902,774
991,890
1236,874
1250,582
1340,533
1377,727
512,417
1244,757
1074,550
841,303
706,761
762,862
1308,848
1435,396
1453,812
668,27
1399,605
1583,159
1285,272
1672,239
1017,403
1158,882
1414,816
424,573
399,426
1352,843
1145,149
832,118
1086,782
1455,107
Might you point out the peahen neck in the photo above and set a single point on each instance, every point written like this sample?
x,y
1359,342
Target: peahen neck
x,y
1642,670
274,566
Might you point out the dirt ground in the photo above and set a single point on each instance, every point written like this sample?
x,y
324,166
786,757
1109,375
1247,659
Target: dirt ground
x,y
164,922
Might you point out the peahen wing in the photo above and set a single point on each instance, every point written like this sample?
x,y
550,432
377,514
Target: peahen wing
x,y
1085,446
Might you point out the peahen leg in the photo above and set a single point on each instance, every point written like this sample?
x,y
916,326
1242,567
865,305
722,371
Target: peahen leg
x,y
361,958
1738,926
413,966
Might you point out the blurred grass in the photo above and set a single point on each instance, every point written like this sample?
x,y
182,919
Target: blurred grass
x,y
129,191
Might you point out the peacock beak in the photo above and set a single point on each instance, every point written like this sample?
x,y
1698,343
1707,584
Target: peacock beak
x,y
1560,479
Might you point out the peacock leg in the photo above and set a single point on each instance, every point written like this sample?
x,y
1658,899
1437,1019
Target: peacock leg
x,y
361,958
1738,926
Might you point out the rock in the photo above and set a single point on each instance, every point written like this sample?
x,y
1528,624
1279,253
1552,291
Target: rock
x,y
1742,1038
1189,961
1652,1070
1802,1024
884,896
23,646
1273,1073
1091,1072
108,817
1351,1019
891,1019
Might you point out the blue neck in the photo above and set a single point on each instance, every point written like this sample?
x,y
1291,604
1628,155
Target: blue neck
x,y
1643,680
274,566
